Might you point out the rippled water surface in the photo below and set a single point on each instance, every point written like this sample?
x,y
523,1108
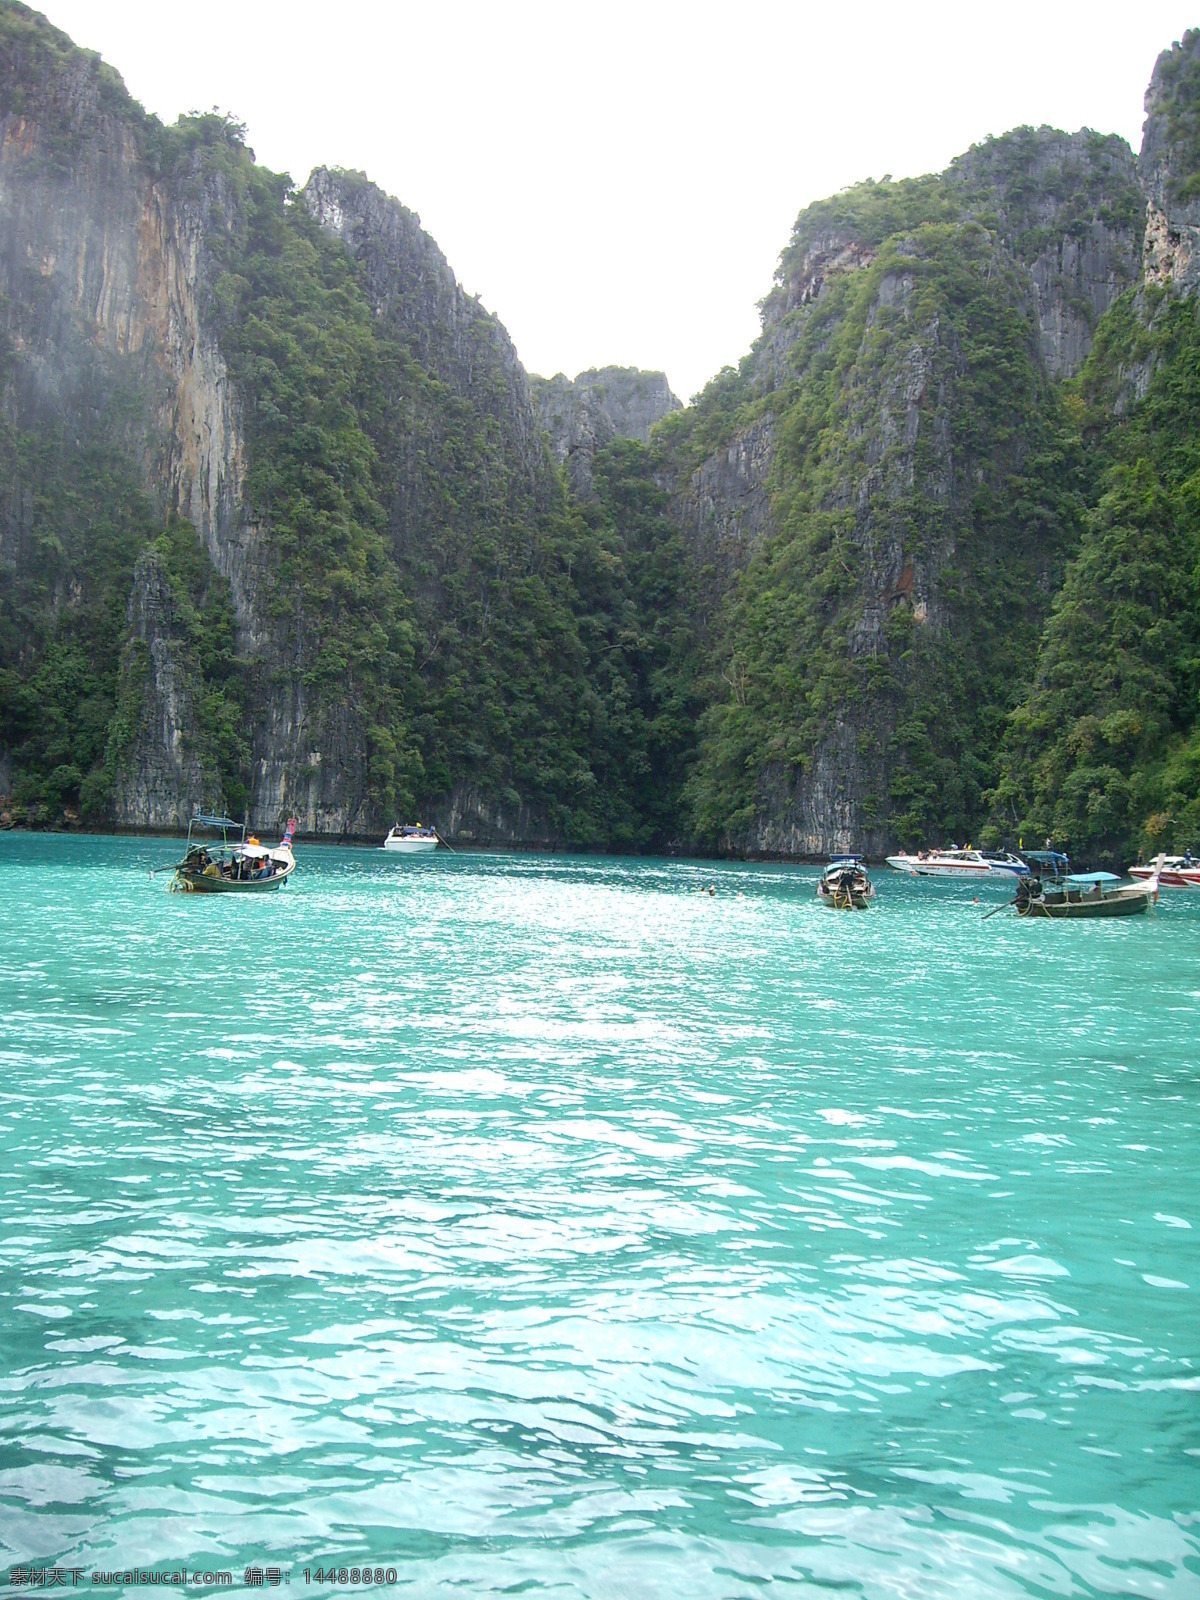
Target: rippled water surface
x,y
547,1226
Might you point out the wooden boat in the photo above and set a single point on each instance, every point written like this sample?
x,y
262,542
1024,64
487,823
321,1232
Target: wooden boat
x,y
1058,893
844,885
235,866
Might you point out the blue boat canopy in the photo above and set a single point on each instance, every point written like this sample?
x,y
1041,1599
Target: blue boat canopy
x,y
1094,877
215,822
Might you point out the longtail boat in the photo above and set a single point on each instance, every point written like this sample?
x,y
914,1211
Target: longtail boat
x,y
1054,891
844,885
236,865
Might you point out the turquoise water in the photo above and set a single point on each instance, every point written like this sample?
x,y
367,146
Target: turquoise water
x,y
546,1226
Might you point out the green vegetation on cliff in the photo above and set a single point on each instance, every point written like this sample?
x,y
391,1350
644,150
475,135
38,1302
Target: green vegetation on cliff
x,y
72,522
429,595
944,593
479,628
908,571
1103,753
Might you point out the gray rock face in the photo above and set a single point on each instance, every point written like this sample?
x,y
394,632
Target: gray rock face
x,y
104,279
115,256
1171,251
832,808
827,255
476,818
411,283
632,400
725,505
1065,213
837,801
1069,209
101,265
160,783
582,415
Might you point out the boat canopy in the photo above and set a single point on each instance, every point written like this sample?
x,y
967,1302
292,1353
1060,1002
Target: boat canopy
x,y
215,822
1094,877
1048,858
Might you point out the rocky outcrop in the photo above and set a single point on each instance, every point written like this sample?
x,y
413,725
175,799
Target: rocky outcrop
x,y
102,264
100,268
836,805
724,506
1069,209
474,817
412,285
1057,223
112,243
160,781
1169,168
582,415
632,400
828,254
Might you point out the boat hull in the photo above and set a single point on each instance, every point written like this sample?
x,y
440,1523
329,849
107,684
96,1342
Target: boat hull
x,y
840,900
939,869
1124,903
186,882
1170,877
409,847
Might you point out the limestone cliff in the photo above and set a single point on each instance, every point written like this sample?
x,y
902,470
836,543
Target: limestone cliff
x,y
376,538
851,413
1068,208
1169,168
413,288
100,267
285,524
160,780
101,263
582,415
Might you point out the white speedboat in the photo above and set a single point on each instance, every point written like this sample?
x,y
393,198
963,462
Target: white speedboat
x,y
967,864
407,840
1178,872
1005,861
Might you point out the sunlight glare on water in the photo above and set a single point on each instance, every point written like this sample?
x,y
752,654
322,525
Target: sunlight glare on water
x,y
546,1225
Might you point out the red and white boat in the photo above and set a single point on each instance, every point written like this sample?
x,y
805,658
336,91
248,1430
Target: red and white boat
x,y
943,864
1177,872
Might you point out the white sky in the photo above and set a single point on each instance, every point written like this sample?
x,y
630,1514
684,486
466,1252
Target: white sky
x,y
616,180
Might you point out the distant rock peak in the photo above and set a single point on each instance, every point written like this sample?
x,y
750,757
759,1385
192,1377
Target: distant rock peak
x,y
583,414
1169,168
